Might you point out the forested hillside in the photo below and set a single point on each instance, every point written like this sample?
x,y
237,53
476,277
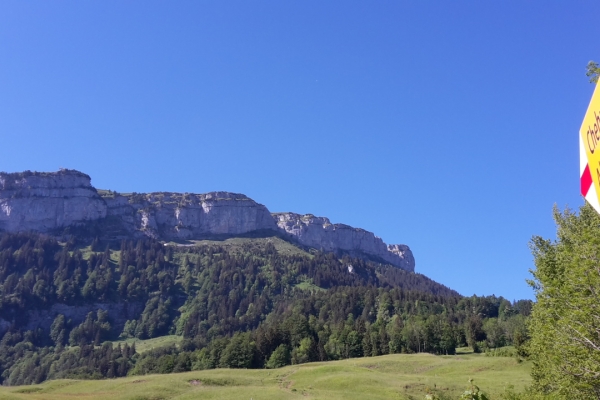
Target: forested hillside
x,y
252,305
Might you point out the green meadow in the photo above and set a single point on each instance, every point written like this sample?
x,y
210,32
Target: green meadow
x,y
398,376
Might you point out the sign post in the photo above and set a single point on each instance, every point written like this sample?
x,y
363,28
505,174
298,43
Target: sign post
x,y
589,152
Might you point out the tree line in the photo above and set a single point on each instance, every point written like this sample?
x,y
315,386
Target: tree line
x,y
248,307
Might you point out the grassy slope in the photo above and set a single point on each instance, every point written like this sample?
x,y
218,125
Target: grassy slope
x,y
149,344
237,245
398,376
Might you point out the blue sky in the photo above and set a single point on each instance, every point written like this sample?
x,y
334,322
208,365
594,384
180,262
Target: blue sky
x,y
448,126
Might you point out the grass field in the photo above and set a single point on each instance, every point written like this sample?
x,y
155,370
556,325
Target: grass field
x,y
398,376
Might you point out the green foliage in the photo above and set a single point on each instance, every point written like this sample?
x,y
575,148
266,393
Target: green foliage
x,y
305,351
508,351
58,330
238,353
154,320
85,362
473,393
474,332
95,329
565,323
280,357
239,306
494,333
592,71
398,376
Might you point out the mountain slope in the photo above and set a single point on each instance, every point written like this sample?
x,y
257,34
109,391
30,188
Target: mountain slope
x,y
244,302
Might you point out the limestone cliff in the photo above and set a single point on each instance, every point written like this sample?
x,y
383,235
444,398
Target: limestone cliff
x,y
47,202
320,233
187,216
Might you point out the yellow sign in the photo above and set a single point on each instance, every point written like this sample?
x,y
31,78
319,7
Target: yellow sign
x,y
589,143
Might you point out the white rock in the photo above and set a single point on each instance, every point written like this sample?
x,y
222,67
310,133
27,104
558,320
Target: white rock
x,y
320,233
45,201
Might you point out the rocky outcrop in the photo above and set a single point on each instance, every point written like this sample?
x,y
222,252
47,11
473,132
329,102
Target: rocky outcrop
x,y
47,202
187,216
44,202
320,233
402,256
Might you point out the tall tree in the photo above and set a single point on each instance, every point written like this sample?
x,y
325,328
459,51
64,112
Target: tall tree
x,y
565,322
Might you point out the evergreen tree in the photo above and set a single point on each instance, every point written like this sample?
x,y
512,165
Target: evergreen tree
x,y
58,332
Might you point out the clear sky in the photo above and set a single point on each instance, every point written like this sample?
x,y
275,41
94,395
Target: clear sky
x,y
450,126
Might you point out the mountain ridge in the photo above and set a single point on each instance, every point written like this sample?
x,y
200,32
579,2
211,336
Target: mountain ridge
x,y
48,202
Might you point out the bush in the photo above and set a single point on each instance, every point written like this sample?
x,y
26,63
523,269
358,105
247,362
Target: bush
x,y
280,357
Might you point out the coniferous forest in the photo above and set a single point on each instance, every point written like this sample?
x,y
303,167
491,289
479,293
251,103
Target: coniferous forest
x,y
248,306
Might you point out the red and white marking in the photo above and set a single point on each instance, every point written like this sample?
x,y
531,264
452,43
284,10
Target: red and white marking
x,y
588,190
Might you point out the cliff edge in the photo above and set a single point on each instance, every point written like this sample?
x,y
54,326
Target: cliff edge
x,y
44,201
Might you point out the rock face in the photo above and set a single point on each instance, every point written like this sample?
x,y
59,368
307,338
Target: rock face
x,y
320,233
188,216
46,202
